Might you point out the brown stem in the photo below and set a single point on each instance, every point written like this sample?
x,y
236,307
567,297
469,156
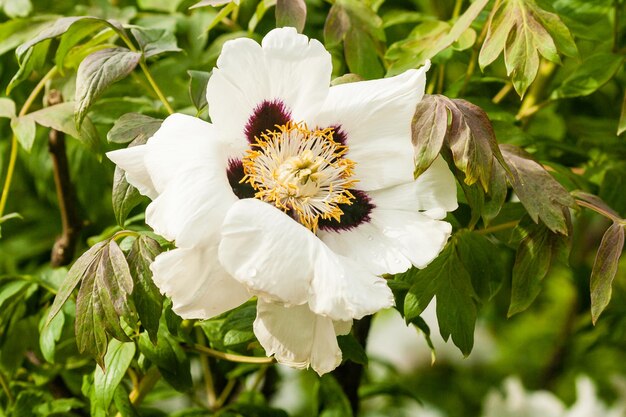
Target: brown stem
x,y
349,374
63,249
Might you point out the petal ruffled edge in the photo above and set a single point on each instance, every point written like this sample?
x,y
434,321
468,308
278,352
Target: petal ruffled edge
x,y
297,337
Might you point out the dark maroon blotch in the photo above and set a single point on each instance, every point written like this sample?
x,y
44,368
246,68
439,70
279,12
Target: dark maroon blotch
x,y
265,117
339,135
353,214
235,174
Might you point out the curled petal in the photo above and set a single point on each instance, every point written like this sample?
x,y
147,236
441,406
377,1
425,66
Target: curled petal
x,y
433,193
131,160
418,237
342,289
297,337
196,282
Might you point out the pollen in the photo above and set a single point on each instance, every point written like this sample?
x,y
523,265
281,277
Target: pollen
x,y
302,172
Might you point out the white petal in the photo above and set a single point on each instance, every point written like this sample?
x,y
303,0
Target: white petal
x,y
198,286
375,117
182,143
190,210
267,251
434,192
416,235
299,69
281,260
297,337
288,68
238,84
188,167
131,160
342,289
369,247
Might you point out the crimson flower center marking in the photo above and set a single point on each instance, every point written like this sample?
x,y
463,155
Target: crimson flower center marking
x,y
302,172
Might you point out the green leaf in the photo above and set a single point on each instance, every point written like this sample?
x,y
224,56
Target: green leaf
x,y
432,37
77,32
169,357
102,300
447,278
24,129
61,117
592,73
58,28
494,200
59,406
605,268
155,41
472,141
197,88
7,108
17,31
361,57
291,13
456,310
517,27
361,29
97,72
124,196
429,127
33,60
147,297
351,349
133,127
483,261
9,216
542,196
536,252
50,335
116,361
83,266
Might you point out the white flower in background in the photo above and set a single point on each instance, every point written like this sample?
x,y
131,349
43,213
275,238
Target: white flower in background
x,y
299,193
517,402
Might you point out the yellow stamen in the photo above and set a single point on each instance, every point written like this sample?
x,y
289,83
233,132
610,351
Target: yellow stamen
x,y
301,171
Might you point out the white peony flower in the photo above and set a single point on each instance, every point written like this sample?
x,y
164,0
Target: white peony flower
x,y
296,192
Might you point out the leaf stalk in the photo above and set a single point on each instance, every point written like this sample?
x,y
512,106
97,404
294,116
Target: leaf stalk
x,y
14,145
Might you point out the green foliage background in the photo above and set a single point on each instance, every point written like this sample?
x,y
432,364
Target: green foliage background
x,y
548,74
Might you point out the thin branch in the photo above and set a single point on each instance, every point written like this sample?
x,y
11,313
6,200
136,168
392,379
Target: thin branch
x,y
228,389
502,93
208,375
598,210
14,145
5,387
63,249
146,72
232,357
146,384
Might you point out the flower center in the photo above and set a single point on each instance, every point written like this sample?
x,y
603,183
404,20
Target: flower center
x,y
300,171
